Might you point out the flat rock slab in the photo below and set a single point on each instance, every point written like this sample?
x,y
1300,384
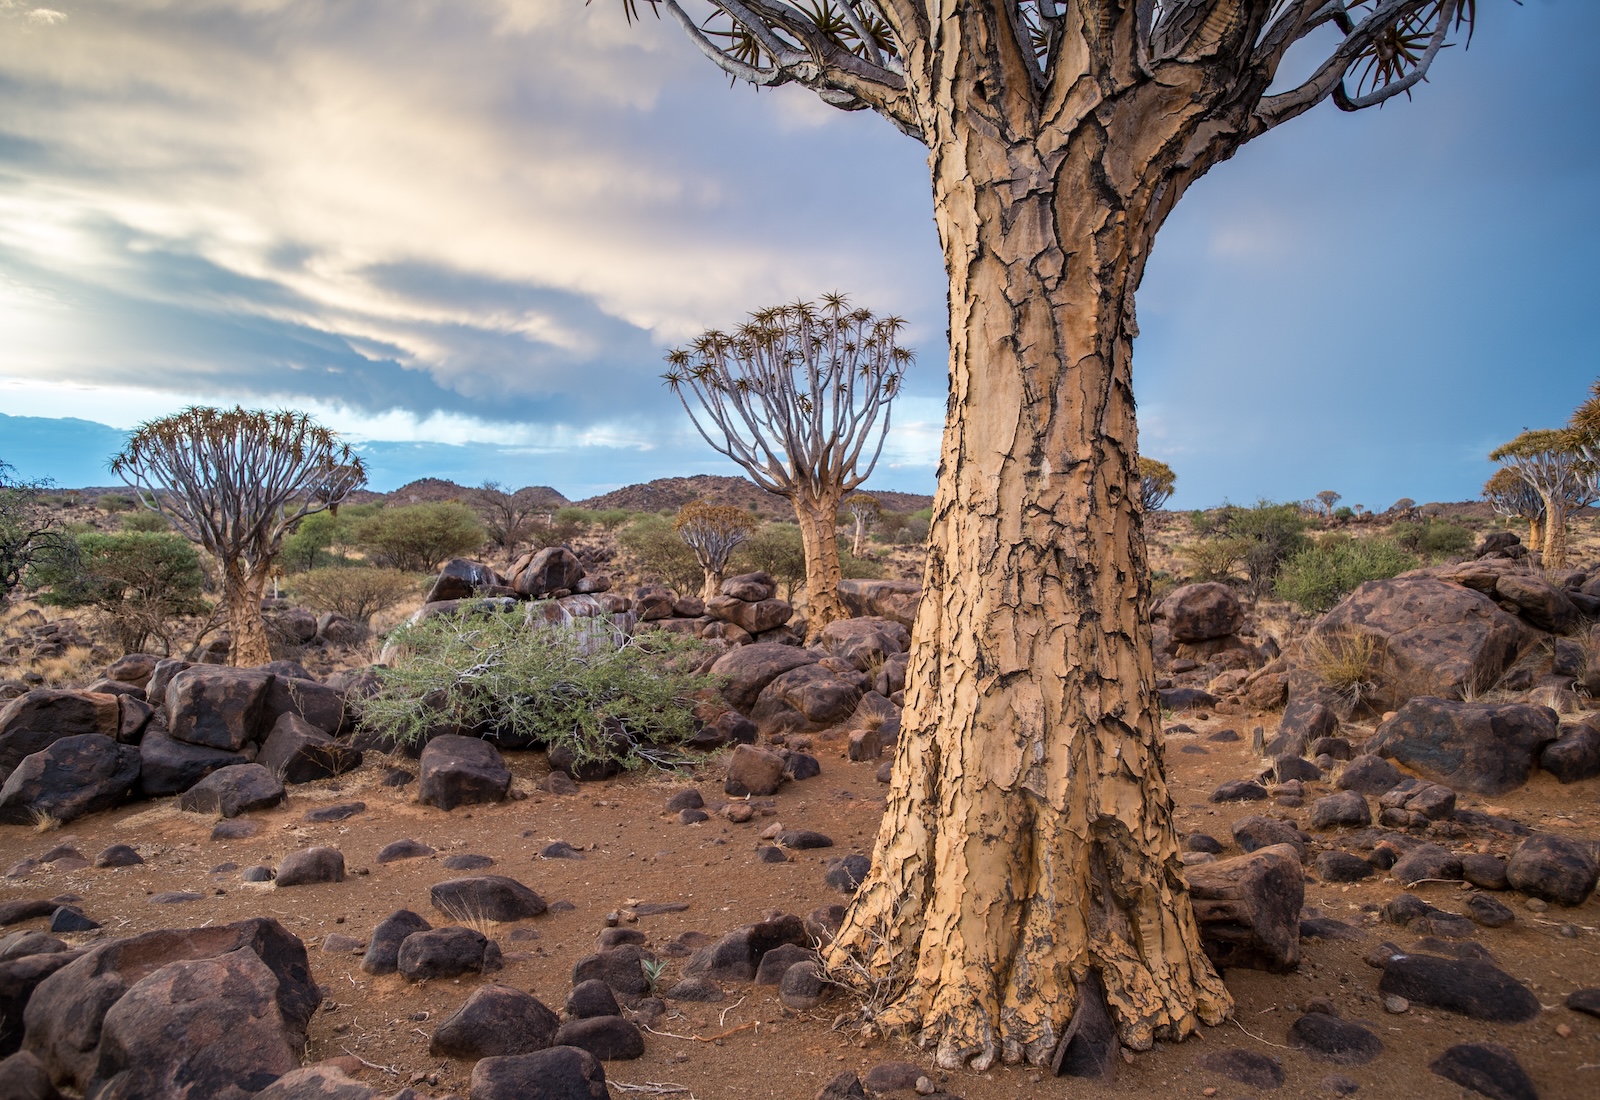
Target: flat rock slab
x,y
486,897
1469,987
1260,1071
1487,1068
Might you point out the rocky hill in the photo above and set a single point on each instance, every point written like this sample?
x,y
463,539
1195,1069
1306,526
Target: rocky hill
x,y
671,493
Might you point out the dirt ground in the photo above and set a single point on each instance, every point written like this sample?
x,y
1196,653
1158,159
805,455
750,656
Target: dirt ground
x,y
634,852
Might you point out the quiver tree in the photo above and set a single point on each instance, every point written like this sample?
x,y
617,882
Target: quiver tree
x,y
799,396
1512,497
1156,483
1552,463
236,482
713,532
864,509
1028,843
1326,500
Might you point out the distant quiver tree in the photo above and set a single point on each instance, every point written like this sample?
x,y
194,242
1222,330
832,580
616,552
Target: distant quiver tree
x,y
865,509
713,532
799,396
1326,500
1028,864
237,481
1512,497
1552,462
1156,483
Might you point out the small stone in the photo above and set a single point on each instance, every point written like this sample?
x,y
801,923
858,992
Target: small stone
x,y
1336,866
1334,1040
608,1038
1260,1071
769,854
466,861
1585,1000
1488,912
1240,790
402,849
337,812
118,855
310,866
1396,1005
1340,1085
559,849
257,873
70,919
1536,905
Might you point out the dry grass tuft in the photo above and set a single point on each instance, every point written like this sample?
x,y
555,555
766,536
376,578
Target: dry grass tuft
x,y
1347,661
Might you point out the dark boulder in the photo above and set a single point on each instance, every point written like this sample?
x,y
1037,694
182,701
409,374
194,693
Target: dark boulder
x,y
1487,748
1555,868
69,778
462,771
218,706
34,720
608,1038
486,897
748,670
559,1073
1201,612
308,866
1470,987
446,953
542,572
495,1021
1489,1069
1574,755
232,791
168,767
298,752
383,950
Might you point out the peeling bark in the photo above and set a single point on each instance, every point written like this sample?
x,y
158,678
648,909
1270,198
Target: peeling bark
x,y
1555,532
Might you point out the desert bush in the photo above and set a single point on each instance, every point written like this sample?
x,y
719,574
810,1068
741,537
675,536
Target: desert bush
x,y
602,696
312,543
30,538
1433,539
138,582
852,567
116,502
1344,513
356,592
143,520
1213,559
612,518
417,537
1320,576
776,548
659,553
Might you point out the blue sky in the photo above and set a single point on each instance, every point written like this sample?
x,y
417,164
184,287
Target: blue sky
x,y
464,233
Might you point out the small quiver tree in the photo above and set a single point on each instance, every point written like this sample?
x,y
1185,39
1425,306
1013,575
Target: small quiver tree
x,y
799,396
1551,461
713,532
1326,500
1512,497
1156,483
865,510
237,481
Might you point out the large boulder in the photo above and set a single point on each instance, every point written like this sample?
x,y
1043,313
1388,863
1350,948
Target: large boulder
x,y
538,574
461,771
753,618
1248,908
1437,638
1574,755
558,1073
69,778
66,1020
1555,868
168,767
460,579
217,706
865,643
134,668
895,600
750,587
36,718
805,699
196,1029
1486,748
1201,612
749,669
317,704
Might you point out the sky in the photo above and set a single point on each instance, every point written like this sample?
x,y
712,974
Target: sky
x,y
464,232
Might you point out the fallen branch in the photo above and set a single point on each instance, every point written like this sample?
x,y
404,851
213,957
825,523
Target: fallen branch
x,y
391,1070
703,1038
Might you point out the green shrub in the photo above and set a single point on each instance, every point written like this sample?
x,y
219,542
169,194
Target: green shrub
x,y
117,502
139,582
143,520
1319,576
658,552
314,538
1433,539
417,537
356,592
492,673
777,549
1344,513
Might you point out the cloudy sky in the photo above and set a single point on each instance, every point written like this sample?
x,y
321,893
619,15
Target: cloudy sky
x,y
463,232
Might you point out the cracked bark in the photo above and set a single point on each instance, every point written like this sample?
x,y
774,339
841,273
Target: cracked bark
x,y
1028,841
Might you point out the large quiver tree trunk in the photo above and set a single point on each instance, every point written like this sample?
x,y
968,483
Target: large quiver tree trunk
x,y
242,590
818,518
1028,841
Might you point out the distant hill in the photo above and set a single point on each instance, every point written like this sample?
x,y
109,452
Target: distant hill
x,y
672,493
431,490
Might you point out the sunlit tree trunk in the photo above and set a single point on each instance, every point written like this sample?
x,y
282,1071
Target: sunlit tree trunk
x,y
818,518
1536,533
713,584
242,593
1028,839
1555,532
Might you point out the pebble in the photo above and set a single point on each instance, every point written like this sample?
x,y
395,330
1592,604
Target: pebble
x,y
1396,1004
